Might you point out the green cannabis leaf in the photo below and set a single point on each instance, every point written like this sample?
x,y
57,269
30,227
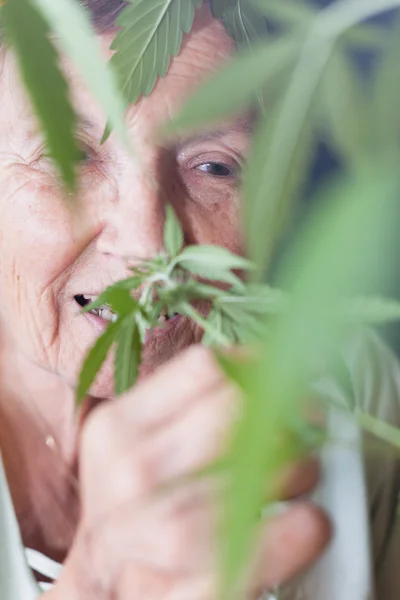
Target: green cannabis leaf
x,y
118,298
242,20
386,93
28,33
70,21
144,53
290,12
128,355
212,262
173,234
346,113
95,359
168,286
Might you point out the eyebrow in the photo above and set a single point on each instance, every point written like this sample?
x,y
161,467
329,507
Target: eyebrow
x,y
244,124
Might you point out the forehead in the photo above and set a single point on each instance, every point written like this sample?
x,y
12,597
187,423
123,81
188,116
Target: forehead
x,y
202,53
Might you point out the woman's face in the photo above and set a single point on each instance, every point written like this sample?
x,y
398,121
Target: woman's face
x,y
51,252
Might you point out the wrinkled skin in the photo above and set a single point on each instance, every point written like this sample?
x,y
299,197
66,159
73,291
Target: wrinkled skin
x,y
50,251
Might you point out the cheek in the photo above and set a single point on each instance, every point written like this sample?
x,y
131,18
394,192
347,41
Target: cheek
x,y
36,230
217,223
210,212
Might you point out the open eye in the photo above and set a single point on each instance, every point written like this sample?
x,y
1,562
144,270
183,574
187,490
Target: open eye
x,y
217,169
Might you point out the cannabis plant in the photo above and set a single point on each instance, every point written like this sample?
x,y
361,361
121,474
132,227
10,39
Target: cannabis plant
x,y
297,65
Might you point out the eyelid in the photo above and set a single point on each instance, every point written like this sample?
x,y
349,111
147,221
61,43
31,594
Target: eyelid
x,y
223,158
82,145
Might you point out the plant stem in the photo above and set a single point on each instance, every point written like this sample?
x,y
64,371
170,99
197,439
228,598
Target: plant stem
x,y
188,310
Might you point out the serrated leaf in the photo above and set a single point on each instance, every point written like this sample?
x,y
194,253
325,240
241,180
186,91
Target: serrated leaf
x,y
131,283
213,257
144,53
70,22
205,291
244,22
218,7
118,298
236,85
173,234
212,263
214,322
38,60
95,359
127,356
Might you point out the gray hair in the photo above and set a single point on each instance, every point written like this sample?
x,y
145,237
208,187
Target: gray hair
x,y
104,12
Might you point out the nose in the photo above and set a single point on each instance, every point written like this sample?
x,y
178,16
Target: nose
x,y
133,226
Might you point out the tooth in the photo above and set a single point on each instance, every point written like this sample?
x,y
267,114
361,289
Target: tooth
x,y
106,314
162,319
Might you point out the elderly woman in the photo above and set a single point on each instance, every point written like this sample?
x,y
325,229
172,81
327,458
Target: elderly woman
x,y
116,539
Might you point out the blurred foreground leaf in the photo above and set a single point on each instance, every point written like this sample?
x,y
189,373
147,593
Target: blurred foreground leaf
x,y
95,359
236,85
322,269
29,35
70,22
128,355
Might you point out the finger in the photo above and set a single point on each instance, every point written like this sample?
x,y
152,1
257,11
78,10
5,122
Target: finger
x,y
136,462
290,543
298,479
172,388
175,531
141,582
194,441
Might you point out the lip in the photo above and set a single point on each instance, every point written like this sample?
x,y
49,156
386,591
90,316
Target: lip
x,y
99,324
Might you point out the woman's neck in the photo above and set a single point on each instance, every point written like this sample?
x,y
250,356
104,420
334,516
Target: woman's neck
x,y
38,444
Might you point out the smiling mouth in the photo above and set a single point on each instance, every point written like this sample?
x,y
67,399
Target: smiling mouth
x,y
105,312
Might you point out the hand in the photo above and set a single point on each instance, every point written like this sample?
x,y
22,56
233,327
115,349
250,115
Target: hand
x,y
139,537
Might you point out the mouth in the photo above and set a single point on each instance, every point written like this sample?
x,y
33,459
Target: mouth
x,y
103,312
106,314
